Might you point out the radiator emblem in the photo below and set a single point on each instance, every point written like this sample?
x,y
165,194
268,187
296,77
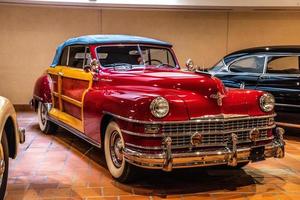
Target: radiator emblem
x,y
196,139
219,97
254,134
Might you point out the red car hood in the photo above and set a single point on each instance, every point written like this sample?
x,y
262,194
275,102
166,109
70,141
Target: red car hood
x,y
199,91
200,83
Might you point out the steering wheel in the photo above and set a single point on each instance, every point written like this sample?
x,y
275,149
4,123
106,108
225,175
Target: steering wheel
x,y
155,60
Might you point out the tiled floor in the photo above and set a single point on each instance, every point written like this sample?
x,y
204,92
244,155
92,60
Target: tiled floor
x,y
64,167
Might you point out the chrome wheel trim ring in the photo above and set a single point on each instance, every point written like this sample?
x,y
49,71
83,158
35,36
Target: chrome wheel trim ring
x,y
116,147
2,164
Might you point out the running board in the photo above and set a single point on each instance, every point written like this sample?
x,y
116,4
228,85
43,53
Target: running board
x,y
288,125
74,131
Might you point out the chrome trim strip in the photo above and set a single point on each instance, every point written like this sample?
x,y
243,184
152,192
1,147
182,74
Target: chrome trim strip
x,y
190,133
74,131
141,134
187,121
144,147
288,125
220,116
287,105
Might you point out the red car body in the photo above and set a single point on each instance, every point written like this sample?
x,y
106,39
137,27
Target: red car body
x,y
198,103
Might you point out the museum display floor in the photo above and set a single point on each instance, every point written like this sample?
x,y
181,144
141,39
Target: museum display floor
x,y
62,166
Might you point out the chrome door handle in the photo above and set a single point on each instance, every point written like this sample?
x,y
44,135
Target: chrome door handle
x,y
60,73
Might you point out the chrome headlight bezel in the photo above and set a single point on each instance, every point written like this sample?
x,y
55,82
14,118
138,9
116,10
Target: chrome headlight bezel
x,y
159,107
267,102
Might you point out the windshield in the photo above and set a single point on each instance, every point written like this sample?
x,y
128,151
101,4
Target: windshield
x,y
217,66
135,56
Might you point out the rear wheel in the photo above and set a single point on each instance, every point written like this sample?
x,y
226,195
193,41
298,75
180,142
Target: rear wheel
x,y
3,164
45,125
113,147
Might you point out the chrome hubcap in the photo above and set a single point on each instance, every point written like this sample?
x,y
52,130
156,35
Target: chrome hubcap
x,y
116,148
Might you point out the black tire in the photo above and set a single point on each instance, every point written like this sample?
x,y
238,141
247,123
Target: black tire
x,y
118,167
45,125
4,145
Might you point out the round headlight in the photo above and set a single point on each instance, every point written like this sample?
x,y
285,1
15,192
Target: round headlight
x,y
159,107
267,102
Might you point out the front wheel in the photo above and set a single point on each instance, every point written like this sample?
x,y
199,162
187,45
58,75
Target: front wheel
x,y
113,149
45,125
3,165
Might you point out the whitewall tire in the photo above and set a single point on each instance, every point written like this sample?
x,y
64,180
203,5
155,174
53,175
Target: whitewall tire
x,y
45,125
113,147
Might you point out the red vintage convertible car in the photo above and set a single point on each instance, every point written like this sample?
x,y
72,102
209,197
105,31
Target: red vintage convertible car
x,y
128,95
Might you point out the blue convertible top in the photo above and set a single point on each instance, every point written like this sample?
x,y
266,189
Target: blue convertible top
x,y
105,39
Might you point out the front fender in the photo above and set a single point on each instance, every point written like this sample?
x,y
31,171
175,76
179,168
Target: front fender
x,y
7,112
135,103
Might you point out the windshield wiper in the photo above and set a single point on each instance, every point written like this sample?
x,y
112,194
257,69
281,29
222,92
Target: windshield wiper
x,y
165,65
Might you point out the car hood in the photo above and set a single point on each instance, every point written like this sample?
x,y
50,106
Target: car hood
x,y
202,94
199,83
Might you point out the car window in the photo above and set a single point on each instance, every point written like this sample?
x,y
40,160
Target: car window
x,y
157,56
217,66
79,56
110,56
64,57
283,65
253,64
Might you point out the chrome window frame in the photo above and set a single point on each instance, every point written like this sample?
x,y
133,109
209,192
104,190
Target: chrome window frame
x,y
138,45
279,54
245,57
85,51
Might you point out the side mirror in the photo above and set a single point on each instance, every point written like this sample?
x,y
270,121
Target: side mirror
x,y
190,65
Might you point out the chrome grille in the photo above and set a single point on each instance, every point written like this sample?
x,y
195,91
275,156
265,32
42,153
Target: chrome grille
x,y
216,132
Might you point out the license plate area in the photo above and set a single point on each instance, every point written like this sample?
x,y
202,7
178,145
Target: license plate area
x,y
257,154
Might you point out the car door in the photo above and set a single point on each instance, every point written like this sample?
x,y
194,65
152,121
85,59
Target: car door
x,y
71,83
282,79
242,72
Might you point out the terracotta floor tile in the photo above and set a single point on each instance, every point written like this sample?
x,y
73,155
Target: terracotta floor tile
x,y
230,196
86,192
62,166
114,191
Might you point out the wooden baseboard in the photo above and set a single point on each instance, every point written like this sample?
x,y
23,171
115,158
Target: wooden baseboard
x,y
22,107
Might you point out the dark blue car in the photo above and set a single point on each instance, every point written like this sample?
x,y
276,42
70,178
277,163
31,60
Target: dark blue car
x,y
275,69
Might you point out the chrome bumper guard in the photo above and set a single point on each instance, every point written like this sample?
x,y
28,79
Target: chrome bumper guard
x,y
22,135
230,156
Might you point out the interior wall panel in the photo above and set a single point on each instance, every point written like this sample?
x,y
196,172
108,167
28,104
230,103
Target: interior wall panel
x,y
29,36
250,29
198,35
28,39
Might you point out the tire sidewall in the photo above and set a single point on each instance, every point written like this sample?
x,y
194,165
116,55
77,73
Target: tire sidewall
x,y
115,172
43,126
6,159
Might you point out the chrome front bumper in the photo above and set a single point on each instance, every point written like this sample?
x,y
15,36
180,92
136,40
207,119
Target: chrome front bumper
x,y
230,156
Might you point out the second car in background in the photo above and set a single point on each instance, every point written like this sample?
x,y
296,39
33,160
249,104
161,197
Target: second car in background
x,y
275,69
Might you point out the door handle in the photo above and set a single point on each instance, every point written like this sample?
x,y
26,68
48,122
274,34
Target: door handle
x,y
60,73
